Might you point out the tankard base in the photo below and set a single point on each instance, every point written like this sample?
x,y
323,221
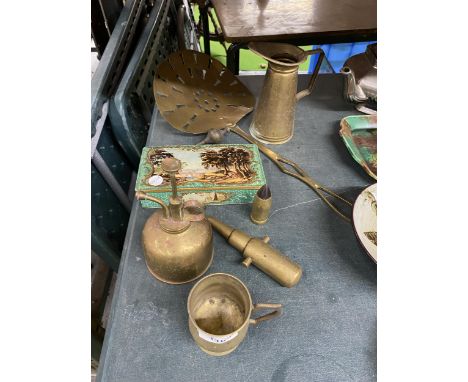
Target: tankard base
x,y
218,354
267,140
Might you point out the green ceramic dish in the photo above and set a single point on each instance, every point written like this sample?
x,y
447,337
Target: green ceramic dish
x,y
359,133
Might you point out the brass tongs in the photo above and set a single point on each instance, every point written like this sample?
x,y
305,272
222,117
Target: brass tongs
x,y
216,136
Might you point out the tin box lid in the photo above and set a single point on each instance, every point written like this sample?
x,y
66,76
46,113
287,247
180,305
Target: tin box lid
x,y
204,168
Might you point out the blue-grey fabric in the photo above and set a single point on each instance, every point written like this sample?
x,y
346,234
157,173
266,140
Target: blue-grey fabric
x,y
328,329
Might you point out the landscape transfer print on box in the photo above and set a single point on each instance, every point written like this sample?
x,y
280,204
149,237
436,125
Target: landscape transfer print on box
x,y
211,174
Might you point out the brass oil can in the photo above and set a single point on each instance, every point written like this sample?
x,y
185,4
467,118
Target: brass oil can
x,y
177,239
273,121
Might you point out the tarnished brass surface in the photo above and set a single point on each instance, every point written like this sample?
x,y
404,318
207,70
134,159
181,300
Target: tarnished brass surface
x,y
261,207
220,309
273,121
195,93
177,240
256,251
181,89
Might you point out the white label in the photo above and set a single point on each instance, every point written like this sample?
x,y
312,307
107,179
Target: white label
x,y
216,339
155,180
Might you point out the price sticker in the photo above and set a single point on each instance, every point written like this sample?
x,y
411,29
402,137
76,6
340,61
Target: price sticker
x,y
216,339
155,180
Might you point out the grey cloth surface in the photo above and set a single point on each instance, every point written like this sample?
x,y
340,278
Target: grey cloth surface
x,y
328,329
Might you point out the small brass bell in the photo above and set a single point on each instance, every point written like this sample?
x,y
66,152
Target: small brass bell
x,y
178,239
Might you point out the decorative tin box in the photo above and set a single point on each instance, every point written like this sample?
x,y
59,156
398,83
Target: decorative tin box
x,y
211,174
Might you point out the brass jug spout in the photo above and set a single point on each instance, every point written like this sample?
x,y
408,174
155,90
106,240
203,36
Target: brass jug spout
x,y
258,252
273,121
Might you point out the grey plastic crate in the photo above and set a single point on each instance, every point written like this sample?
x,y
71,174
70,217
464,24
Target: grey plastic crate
x,y
132,106
115,57
111,170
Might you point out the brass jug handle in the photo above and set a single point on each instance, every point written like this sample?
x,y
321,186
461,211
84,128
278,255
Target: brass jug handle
x,y
307,91
276,313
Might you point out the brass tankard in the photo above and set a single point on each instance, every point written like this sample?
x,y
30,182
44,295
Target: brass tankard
x,y
273,121
220,309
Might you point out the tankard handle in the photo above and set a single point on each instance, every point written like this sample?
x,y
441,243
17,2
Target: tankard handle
x,y
307,91
277,312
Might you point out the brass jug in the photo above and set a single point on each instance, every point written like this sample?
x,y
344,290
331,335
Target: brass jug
x,y
177,239
273,121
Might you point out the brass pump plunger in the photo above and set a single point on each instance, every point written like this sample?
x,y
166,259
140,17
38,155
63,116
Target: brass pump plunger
x,y
256,251
177,240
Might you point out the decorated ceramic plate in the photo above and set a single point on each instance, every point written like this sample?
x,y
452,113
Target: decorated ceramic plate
x,y
359,133
365,220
